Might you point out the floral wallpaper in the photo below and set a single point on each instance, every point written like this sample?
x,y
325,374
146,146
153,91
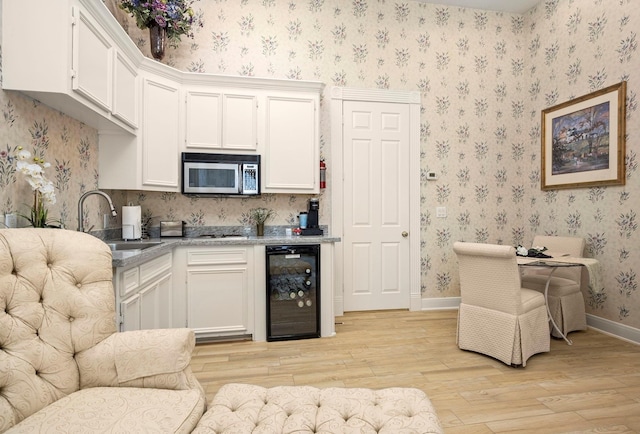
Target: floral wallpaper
x,y
484,78
71,149
574,48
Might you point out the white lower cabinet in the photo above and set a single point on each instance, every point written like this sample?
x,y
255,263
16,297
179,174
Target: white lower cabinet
x,y
217,291
219,286
144,294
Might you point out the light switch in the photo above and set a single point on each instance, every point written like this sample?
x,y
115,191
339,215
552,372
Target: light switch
x,y
441,212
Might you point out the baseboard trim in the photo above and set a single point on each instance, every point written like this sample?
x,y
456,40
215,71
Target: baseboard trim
x,y
612,328
615,329
445,303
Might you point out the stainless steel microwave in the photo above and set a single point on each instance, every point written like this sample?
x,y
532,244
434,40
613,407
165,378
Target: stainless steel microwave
x,y
220,174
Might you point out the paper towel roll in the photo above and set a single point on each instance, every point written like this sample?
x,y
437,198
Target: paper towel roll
x,y
131,222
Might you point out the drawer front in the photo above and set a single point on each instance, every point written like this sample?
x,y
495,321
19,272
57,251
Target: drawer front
x,y
232,255
154,268
130,281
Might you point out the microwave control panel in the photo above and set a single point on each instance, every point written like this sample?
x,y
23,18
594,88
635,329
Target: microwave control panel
x,y
250,179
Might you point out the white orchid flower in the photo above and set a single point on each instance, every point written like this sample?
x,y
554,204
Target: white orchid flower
x,y
23,154
48,192
33,170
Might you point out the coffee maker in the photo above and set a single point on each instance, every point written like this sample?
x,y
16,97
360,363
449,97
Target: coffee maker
x,y
313,227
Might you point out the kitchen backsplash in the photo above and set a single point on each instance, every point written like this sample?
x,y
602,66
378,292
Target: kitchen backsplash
x,y
222,211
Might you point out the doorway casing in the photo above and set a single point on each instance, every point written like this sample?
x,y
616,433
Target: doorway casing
x,y
412,98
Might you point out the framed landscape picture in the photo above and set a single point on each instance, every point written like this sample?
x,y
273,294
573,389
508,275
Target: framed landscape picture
x,y
583,140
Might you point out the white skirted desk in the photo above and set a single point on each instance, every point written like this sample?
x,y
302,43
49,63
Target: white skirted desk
x,y
592,266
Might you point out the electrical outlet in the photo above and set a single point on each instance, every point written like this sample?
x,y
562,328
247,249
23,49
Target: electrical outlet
x,y
431,176
441,212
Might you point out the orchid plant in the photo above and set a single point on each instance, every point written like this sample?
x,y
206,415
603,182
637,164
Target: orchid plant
x,y
176,16
43,190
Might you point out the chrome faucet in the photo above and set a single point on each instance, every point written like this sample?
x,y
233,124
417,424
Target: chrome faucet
x,y
81,203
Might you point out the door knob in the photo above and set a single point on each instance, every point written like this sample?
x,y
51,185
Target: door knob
x,y
405,234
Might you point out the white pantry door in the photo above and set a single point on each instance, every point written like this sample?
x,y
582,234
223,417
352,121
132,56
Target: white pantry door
x,y
376,205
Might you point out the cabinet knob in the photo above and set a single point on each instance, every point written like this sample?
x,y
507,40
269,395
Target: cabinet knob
x,y
405,234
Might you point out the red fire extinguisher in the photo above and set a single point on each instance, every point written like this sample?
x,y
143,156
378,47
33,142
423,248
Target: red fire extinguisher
x,y
323,174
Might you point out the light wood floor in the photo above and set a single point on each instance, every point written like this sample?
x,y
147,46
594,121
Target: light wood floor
x,y
592,386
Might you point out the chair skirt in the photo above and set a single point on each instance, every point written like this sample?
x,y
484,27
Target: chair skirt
x,y
508,338
566,302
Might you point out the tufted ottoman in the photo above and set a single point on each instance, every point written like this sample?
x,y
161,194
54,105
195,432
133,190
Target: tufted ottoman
x,y
243,408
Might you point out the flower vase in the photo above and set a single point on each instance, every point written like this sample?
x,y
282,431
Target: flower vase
x,y
260,229
157,41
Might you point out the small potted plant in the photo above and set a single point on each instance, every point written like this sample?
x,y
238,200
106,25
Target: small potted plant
x,y
259,216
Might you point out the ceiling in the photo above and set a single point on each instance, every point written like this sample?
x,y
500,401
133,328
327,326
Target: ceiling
x,y
514,6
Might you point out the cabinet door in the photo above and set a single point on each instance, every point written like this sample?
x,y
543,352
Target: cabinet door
x,y
239,121
160,136
130,313
217,299
221,121
92,61
204,120
125,91
291,147
155,304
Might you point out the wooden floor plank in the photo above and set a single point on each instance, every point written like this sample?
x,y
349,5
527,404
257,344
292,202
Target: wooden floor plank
x,y
592,386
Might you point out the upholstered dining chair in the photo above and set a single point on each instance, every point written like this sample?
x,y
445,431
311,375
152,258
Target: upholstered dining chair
x,y
498,317
565,299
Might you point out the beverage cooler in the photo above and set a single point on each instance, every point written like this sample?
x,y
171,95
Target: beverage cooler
x,y
293,292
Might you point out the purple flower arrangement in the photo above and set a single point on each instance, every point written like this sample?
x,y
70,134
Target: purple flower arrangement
x,y
176,16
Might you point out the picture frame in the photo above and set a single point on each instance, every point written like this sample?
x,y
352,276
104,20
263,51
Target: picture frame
x,y
583,140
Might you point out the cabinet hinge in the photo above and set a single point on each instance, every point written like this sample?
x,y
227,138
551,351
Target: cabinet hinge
x,y
72,73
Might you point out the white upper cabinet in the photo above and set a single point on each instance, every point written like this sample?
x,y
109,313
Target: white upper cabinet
x,y
149,160
239,121
203,127
74,56
125,93
64,56
221,119
291,154
92,60
160,134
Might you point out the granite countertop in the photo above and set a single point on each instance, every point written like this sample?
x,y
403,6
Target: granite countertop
x,y
124,258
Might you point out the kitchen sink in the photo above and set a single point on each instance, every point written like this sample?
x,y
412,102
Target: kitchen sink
x,y
224,237
132,245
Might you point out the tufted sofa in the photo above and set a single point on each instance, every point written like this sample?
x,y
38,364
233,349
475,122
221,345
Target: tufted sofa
x,y
65,369
245,408
63,366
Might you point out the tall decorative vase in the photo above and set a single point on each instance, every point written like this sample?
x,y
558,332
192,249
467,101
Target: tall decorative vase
x,y
260,229
157,41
